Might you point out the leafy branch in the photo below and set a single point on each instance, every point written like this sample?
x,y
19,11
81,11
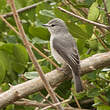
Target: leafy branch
x,y
54,77
86,20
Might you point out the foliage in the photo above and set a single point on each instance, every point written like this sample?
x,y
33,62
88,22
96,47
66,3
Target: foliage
x,y
14,60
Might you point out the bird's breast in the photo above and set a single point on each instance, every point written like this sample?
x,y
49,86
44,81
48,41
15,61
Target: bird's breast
x,y
55,54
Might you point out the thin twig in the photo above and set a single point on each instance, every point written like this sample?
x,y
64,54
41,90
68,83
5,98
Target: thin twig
x,y
102,43
73,9
27,102
71,108
87,101
9,25
32,56
24,9
106,11
62,99
65,101
86,20
46,99
42,54
103,100
77,102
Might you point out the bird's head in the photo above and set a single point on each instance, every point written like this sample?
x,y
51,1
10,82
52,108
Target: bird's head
x,y
56,25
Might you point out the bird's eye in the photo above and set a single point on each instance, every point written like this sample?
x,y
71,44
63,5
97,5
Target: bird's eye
x,y
53,25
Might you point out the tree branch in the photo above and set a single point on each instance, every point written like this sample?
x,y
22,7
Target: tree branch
x,y
106,11
32,56
101,42
54,77
86,20
24,9
65,101
27,102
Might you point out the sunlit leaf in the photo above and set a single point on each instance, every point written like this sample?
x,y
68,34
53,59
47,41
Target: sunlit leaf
x,y
31,75
93,12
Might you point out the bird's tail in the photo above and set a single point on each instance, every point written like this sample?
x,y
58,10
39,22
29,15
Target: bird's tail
x,y
76,77
78,83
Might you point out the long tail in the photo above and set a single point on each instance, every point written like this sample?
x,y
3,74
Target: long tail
x,y
76,76
77,82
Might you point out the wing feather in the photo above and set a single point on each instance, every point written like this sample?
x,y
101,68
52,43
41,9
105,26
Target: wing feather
x,y
67,52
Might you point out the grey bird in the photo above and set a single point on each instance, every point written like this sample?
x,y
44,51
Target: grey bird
x,y
64,49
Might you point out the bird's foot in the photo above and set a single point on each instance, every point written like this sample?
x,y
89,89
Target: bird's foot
x,y
60,69
63,71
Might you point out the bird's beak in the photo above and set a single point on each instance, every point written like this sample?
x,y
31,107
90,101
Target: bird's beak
x,y
46,25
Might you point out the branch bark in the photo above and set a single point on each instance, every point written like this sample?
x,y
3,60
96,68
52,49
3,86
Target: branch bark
x,y
54,77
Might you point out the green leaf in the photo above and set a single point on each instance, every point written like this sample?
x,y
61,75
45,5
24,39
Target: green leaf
x,y
39,32
99,104
1,43
107,39
64,88
93,92
93,44
45,69
48,13
76,31
89,2
2,70
20,3
44,12
16,57
39,41
91,76
80,45
63,16
10,107
31,75
93,12
103,107
87,28
108,5
3,65
2,5
99,2
4,86
21,58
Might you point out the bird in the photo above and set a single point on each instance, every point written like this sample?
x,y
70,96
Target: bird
x,y
64,49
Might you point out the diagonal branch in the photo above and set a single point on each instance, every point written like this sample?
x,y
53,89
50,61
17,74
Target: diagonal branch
x,y
27,102
86,20
106,11
32,56
101,42
54,77
24,9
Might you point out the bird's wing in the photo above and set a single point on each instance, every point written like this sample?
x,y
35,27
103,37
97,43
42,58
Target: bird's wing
x,y
67,49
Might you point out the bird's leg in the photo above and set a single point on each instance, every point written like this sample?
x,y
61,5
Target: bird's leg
x,y
63,68
60,69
